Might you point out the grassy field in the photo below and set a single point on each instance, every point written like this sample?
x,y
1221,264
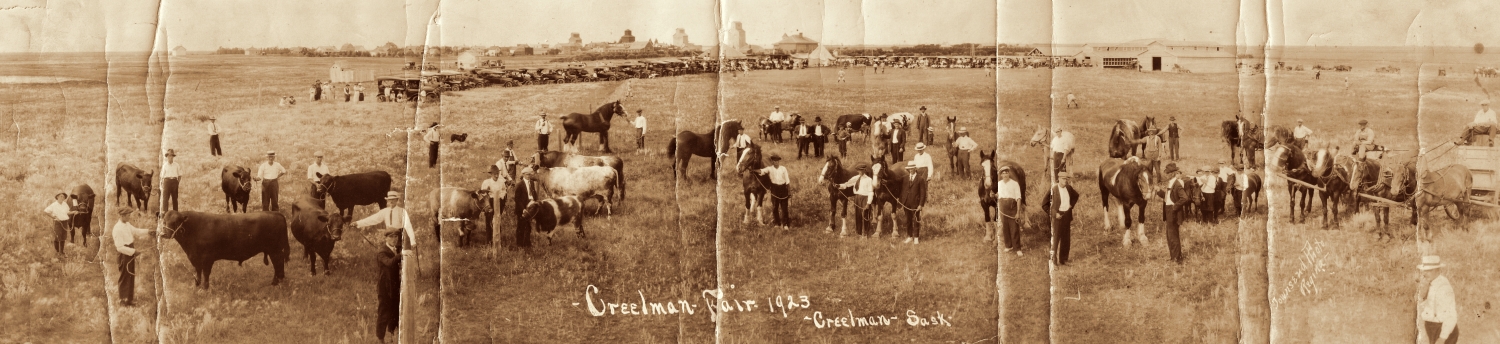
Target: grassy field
x,y
1025,281
55,138
658,244
1343,285
1110,293
241,92
950,272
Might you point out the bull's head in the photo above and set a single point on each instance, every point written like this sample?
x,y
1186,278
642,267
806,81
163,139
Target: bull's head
x,y
172,223
334,227
146,182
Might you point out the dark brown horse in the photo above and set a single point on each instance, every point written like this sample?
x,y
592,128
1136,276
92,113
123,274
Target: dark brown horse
x,y
1129,182
1397,183
889,179
1124,137
988,190
1293,164
860,123
833,173
752,183
952,149
711,145
575,124
1242,143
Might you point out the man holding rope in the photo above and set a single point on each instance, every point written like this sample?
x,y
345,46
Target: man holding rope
x,y
124,235
1010,210
864,194
913,197
780,189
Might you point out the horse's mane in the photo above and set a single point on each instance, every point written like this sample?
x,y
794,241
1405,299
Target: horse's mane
x,y
1230,130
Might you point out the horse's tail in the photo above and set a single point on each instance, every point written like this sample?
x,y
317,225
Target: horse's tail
x,y
620,177
1103,190
672,148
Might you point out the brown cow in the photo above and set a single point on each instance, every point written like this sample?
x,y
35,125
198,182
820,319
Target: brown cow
x,y
134,181
236,186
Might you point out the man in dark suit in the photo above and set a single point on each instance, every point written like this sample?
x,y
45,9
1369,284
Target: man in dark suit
x,y
913,197
803,136
1173,133
819,133
524,193
1175,197
388,291
1059,204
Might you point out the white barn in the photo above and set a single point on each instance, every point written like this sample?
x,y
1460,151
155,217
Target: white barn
x,y
1162,55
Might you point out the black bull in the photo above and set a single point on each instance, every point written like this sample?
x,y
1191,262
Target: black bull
x,y
135,184
317,231
236,185
84,195
207,238
351,190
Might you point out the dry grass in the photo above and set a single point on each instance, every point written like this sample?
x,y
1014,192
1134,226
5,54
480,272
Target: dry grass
x,y
1114,294
1025,281
643,248
951,271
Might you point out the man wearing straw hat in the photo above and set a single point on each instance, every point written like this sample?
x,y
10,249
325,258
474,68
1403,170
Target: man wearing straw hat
x,y
913,197
60,213
1484,123
1439,308
213,137
1209,183
1059,203
1175,195
922,160
1011,209
267,174
171,178
124,236
315,171
1300,134
864,195
543,129
965,146
493,191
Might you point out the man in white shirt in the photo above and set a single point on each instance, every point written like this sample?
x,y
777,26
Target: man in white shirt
x,y
171,178
1209,183
543,129
1484,123
1010,210
740,143
1300,134
1062,149
493,189
776,118
267,174
213,137
965,146
432,137
922,159
864,195
640,131
60,213
315,171
124,236
780,191
389,284
1364,139
1438,308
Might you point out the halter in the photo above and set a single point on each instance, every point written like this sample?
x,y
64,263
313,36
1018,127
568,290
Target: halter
x,y
173,233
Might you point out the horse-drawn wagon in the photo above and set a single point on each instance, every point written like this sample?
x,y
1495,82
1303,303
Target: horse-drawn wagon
x,y
1482,163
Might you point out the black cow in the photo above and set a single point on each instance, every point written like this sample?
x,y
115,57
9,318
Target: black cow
x,y
317,231
135,182
458,137
350,190
84,196
236,185
207,238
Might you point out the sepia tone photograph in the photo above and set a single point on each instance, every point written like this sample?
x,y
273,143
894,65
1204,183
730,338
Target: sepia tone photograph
x,y
1012,171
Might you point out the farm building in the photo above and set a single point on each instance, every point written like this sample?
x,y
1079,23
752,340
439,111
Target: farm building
x,y
179,51
1162,55
795,44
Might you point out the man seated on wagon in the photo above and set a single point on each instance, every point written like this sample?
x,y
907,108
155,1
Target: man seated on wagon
x,y
1484,123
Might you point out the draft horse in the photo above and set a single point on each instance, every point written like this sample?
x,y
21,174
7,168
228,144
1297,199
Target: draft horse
x,y
575,124
688,144
1293,164
1125,139
1129,183
752,183
833,173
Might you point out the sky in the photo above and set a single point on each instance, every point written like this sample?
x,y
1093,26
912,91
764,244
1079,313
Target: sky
x,y
140,25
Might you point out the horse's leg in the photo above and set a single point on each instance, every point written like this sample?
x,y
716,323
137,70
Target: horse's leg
x,y
604,140
833,211
749,203
755,202
1140,224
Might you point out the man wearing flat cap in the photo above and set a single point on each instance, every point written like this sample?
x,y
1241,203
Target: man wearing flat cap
x,y
267,174
1438,307
913,197
1364,139
124,235
1059,203
820,135
1174,197
864,194
1484,123
780,191
171,178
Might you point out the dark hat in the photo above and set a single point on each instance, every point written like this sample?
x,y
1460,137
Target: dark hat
x,y
775,157
391,233
1171,168
863,167
270,153
494,169
171,152
1064,174
1003,169
1363,122
924,108
817,119
125,211
434,124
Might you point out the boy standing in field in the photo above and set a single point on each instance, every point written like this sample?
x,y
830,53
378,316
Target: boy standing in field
x,y
843,139
60,213
640,130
